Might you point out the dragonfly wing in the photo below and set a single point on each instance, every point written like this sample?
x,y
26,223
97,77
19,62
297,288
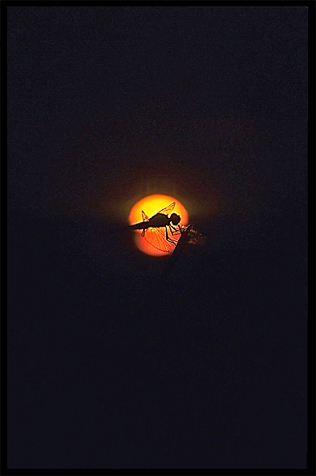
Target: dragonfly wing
x,y
144,216
157,238
168,209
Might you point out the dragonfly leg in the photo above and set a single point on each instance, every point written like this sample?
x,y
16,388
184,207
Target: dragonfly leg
x,y
170,239
174,230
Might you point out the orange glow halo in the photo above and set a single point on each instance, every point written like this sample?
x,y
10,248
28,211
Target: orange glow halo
x,y
151,205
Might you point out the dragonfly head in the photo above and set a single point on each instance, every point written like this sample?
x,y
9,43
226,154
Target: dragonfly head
x,y
175,218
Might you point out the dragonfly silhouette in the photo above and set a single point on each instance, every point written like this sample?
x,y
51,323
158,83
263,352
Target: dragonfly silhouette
x,y
155,229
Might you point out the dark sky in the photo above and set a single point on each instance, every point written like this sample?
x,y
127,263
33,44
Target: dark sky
x,y
111,362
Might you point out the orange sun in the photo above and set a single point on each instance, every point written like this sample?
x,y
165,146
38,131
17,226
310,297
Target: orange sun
x,y
151,205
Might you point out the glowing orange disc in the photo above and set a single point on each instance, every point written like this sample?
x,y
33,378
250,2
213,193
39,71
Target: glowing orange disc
x,y
151,205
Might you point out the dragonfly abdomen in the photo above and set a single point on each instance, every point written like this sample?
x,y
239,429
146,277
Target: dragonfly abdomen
x,y
140,226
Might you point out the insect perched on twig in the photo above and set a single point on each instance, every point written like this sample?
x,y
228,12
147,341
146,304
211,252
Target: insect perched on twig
x,y
155,230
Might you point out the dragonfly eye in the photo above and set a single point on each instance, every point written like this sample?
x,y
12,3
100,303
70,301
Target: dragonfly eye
x,y
175,218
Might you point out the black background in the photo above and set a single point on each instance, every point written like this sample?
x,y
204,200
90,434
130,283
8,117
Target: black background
x,y
111,363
